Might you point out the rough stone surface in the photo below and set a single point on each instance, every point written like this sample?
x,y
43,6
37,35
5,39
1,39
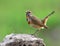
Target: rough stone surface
x,y
21,40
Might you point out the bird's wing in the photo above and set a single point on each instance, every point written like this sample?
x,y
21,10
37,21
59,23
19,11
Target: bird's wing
x,y
36,21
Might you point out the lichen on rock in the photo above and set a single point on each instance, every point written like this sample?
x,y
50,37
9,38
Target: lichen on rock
x,y
22,40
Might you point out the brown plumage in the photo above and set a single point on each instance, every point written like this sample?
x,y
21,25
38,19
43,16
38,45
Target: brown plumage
x,y
35,22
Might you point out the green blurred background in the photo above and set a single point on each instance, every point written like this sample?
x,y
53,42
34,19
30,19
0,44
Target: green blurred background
x,y
13,18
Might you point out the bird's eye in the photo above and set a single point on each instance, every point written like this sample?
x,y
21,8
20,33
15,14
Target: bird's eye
x,y
29,12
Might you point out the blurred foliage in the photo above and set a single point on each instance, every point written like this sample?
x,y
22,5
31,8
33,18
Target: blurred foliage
x,y
13,19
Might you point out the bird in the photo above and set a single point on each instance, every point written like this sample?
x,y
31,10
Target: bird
x,y
36,22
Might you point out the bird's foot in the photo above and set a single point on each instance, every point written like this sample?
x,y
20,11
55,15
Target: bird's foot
x,y
33,35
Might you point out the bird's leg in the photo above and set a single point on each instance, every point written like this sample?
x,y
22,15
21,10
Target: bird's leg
x,y
36,32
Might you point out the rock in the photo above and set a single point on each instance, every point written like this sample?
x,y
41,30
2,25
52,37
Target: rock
x,y
22,40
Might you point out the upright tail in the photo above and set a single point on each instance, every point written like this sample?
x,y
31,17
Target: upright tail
x,y
51,13
46,18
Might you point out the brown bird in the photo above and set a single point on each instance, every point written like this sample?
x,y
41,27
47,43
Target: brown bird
x,y
35,22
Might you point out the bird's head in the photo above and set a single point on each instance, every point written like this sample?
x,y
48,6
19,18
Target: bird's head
x,y
28,13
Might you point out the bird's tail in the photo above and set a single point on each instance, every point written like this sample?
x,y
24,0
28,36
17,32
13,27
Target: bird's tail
x,y
46,18
51,13
46,27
